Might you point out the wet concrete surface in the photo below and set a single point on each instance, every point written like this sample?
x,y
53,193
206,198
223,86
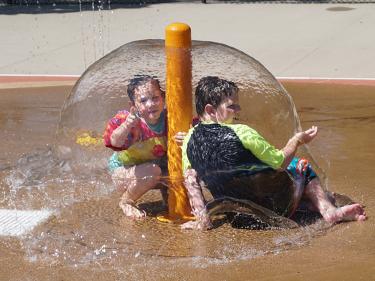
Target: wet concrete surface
x,y
89,238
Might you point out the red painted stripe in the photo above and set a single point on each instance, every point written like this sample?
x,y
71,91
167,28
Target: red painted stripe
x,y
18,79
41,78
362,82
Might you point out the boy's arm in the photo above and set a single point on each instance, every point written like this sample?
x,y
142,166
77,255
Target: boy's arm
x,y
194,192
266,152
298,139
197,203
290,150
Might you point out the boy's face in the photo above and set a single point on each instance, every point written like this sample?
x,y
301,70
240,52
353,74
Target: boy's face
x,y
149,102
227,109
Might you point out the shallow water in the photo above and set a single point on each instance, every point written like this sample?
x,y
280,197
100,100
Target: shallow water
x,y
88,237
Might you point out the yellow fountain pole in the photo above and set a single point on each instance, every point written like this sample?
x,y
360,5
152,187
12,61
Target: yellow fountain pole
x,y
179,106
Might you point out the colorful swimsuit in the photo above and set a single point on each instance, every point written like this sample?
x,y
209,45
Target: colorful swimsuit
x,y
226,156
145,143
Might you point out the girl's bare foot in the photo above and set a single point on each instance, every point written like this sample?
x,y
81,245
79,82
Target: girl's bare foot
x,y
131,211
353,212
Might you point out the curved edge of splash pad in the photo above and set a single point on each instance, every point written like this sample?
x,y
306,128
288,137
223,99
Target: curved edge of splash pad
x,y
16,223
8,81
324,80
11,81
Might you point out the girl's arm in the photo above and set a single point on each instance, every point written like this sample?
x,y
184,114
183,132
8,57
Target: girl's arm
x,y
120,134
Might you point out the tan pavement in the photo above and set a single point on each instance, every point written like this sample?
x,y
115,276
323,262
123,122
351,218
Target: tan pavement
x,y
291,40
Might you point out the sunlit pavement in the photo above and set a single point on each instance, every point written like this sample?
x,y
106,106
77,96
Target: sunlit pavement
x,y
291,40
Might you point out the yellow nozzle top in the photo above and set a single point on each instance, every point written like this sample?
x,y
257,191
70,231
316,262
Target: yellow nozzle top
x,y
178,35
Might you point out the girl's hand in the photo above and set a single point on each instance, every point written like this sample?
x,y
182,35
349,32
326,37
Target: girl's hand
x,y
132,119
308,135
179,138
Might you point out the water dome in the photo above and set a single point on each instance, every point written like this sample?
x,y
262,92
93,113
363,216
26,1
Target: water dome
x,y
101,91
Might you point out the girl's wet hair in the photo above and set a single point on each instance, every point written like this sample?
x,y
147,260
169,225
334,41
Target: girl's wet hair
x,y
212,90
140,80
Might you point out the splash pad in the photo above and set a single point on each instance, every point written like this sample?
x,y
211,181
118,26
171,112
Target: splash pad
x,y
89,238
89,229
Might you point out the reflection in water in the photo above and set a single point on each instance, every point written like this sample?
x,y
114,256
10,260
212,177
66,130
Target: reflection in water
x,y
88,226
95,230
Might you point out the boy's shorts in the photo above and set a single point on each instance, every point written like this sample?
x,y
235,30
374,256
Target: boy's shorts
x,y
301,170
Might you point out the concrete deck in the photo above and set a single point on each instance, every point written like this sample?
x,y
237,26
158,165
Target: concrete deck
x,y
291,40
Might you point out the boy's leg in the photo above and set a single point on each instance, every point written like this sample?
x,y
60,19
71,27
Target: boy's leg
x,y
319,199
301,170
135,181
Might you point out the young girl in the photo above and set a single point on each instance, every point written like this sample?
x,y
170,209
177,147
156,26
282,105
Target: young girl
x,y
140,138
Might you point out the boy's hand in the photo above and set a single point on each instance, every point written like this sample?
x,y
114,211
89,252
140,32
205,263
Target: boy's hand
x,y
179,138
308,135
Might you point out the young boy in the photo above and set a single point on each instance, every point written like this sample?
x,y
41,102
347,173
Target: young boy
x,y
140,139
224,156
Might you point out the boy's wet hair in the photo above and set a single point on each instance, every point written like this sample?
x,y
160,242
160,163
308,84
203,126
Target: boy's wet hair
x,y
140,80
212,90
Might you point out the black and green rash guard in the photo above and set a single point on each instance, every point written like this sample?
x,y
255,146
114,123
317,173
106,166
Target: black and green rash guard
x,y
219,152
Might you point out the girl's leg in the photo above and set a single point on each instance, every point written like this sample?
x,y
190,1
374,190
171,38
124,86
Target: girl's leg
x,y
316,195
135,181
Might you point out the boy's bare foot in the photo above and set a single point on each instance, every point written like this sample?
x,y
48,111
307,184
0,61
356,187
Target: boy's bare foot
x,y
131,211
353,212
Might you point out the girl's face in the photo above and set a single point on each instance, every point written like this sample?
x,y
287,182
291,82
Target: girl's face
x,y
149,102
227,109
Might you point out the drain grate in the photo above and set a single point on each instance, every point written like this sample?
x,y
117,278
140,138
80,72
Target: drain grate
x,y
19,222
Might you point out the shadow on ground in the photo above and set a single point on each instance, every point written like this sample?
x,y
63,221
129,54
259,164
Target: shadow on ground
x,y
13,7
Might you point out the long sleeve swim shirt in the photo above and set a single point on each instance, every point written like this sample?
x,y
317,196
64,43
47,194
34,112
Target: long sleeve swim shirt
x,y
217,147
